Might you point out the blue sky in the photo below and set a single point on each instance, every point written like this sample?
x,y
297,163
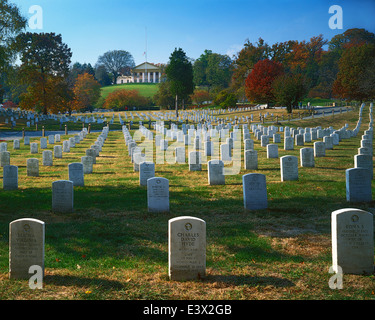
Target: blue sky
x,y
92,27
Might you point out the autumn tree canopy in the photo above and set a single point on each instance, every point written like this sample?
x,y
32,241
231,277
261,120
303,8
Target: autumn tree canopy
x,y
258,86
86,92
350,83
45,67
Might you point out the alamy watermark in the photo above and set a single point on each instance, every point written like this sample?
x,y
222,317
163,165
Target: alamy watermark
x,y
336,281
167,154
36,20
336,21
36,280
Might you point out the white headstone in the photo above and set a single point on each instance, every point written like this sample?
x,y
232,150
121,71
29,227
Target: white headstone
x,y
51,139
299,139
364,161
26,141
76,174
195,161
4,158
66,146
254,191
158,194
33,148
57,152
328,141
186,248
216,172
225,152
43,143
319,149
276,138
289,168
352,241
288,143
91,153
62,196
87,163
3,146
16,144
358,185
72,142
47,158
26,247
10,178
307,157
146,171
251,160
272,151
248,144
32,165
264,140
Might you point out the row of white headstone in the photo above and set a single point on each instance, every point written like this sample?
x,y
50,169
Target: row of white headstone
x,y
359,178
352,237
62,194
359,191
254,184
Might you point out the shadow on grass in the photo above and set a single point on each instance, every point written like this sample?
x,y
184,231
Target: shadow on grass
x,y
253,281
66,280
113,223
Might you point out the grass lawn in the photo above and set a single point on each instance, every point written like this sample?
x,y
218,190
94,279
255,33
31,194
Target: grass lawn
x,y
111,247
145,89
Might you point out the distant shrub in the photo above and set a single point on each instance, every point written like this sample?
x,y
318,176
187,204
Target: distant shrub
x,y
123,99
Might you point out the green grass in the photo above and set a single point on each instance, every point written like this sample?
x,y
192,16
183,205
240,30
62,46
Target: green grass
x,y
111,247
145,89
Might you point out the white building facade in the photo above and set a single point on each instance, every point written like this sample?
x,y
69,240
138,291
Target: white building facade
x,y
143,73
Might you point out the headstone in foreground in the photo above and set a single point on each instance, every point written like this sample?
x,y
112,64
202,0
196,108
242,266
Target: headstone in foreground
x,y
26,247
352,241
186,248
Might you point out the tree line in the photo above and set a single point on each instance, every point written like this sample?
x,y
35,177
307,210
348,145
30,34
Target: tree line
x,y
282,74
285,73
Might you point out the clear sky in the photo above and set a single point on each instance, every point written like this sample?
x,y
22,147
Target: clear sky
x,y
92,27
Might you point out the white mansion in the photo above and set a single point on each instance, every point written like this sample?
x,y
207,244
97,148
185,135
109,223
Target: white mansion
x,y
143,73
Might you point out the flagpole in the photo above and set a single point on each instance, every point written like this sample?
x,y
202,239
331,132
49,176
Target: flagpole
x,y
146,56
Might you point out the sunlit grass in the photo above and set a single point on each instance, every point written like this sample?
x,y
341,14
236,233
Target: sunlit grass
x,y
111,247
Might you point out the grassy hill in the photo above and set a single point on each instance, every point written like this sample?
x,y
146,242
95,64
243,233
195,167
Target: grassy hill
x,y
145,89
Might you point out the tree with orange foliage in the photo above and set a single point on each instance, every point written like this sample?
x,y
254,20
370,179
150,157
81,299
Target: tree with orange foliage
x,y
258,86
200,96
86,92
44,69
123,99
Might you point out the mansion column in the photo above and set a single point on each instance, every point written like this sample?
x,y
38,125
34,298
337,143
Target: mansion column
x,y
154,77
148,77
